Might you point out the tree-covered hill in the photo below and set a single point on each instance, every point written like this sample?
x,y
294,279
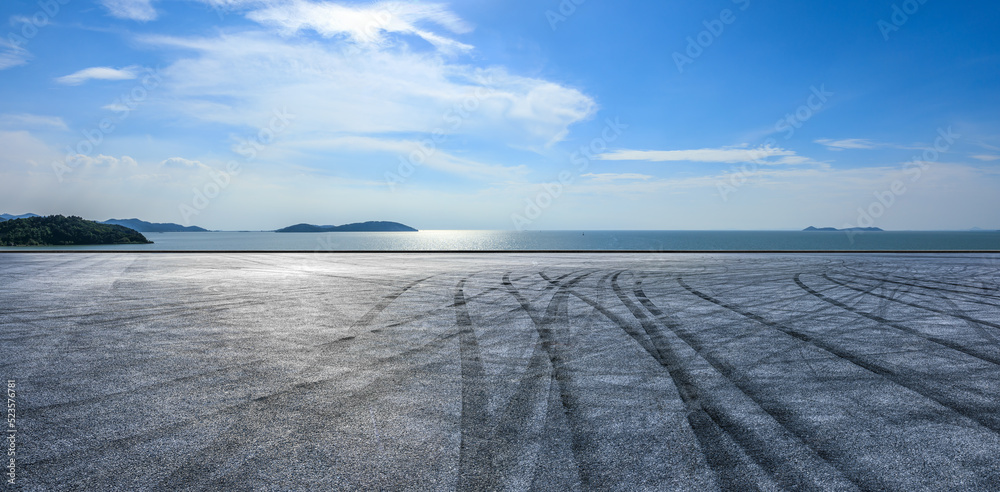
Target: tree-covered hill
x,y
57,230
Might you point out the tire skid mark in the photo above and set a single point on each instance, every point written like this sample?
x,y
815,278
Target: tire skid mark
x,y
928,287
140,389
23,337
390,361
719,429
436,311
483,293
723,453
260,409
568,288
919,306
495,452
555,326
985,417
944,342
936,293
546,385
254,406
474,417
238,411
517,437
643,339
328,348
83,324
375,310
733,449
808,315
930,281
976,327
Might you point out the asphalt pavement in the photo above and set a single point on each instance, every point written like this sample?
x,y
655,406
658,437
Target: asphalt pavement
x,y
503,371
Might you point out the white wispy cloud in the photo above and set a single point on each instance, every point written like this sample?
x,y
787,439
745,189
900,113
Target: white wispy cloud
x,y
240,79
99,161
365,24
434,158
182,163
608,177
27,120
848,144
12,55
986,157
98,73
138,10
729,155
116,106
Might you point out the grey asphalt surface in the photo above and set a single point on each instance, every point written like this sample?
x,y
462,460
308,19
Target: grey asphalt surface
x,y
504,371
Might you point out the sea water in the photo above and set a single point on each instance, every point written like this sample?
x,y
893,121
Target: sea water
x,y
557,241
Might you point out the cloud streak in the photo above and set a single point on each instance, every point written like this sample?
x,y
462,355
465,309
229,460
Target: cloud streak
x,y
98,73
240,78
137,10
365,25
439,160
609,177
26,120
12,55
848,144
728,155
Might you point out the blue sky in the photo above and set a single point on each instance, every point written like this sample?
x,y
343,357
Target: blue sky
x,y
725,114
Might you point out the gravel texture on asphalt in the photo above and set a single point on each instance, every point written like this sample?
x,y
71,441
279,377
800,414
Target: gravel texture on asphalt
x,y
503,371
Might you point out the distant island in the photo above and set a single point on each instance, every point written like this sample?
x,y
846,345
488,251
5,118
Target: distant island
x,y
57,230
143,226
849,229
371,226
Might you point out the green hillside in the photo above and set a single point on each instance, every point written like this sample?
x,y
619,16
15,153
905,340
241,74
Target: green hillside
x,y
57,230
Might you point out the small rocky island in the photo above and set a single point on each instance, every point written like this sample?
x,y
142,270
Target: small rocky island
x,y
371,226
57,230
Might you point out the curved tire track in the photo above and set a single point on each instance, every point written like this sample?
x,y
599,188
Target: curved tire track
x,y
792,463
972,352
987,417
918,306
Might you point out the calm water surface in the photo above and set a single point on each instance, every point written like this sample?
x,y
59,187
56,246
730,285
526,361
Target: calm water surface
x,y
557,240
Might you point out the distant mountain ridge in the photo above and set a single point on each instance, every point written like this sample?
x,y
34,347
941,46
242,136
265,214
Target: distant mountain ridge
x,y
849,229
143,226
5,217
370,226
